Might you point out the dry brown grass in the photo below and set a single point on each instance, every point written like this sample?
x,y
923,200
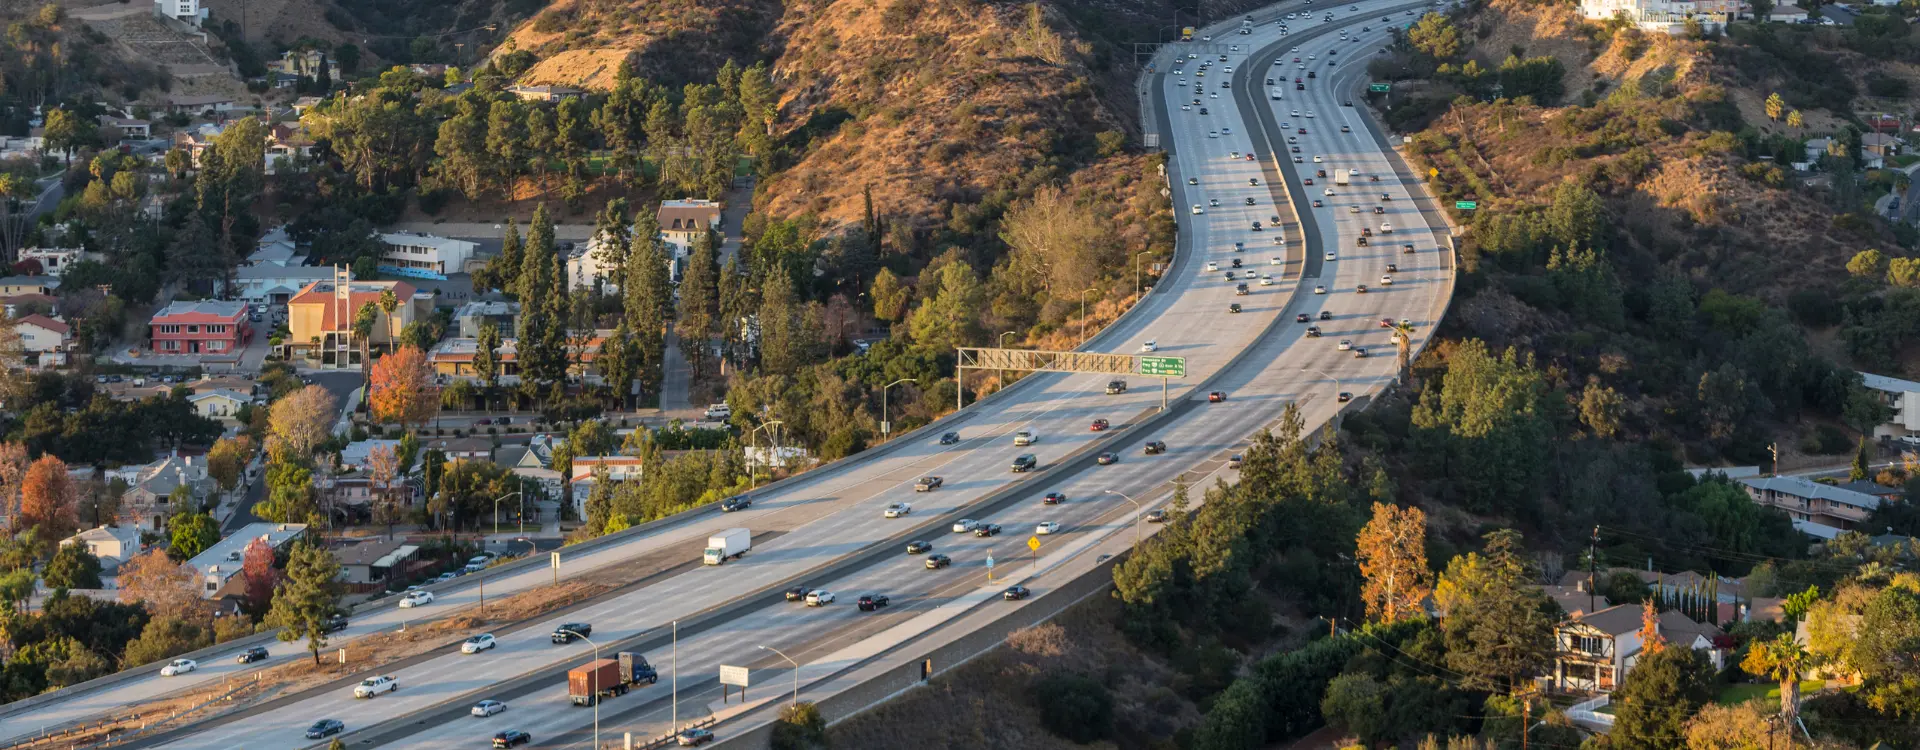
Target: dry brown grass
x,y
590,69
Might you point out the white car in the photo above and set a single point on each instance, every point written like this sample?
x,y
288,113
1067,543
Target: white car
x,y
1386,281
1197,210
1319,290
1386,228
373,686
1329,192
1266,280
416,599
1346,345
1213,134
1353,173
1150,346
1186,108
1331,256
1227,130
1319,159
1212,266
1026,437
478,643
1296,113
1309,114
965,525
1276,261
819,598
484,709
898,510
179,667
1046,528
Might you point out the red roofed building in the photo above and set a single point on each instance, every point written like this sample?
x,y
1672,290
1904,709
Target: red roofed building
x,y
320,312
210,327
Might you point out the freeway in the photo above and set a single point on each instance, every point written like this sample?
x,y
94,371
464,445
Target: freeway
x,y
835,516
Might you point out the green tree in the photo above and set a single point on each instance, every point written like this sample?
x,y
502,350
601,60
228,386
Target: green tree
x,y
191,534
613,241
1494,618
72,567
507,144
699,322
890,297
1485,428
1076,707
648,301
1861,467
800,727
165,638
1785,661
948,319
1653,703
304,604
486,343
461,146
782,346
1436,36
69,131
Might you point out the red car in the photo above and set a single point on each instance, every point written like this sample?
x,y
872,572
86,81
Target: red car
x,y
1386,322
1308,181
1099,425
1216,397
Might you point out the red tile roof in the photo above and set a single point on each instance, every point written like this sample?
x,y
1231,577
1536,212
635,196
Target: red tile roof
x,y
47,323
361,293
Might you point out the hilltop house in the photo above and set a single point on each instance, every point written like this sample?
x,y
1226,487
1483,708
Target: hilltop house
x,y
1594,652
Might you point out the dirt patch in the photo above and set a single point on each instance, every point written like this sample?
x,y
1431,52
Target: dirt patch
x,y
590,69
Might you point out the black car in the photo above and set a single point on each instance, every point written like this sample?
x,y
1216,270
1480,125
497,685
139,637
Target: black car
x,y
1345,397
1302,318
1016,594
335,624
950,438
695,737
511,737
1107,458
1155,447
1313,332
915,548
1234,308
1054,498
1326,315
936,562
872,602
325,728
1156,516
569,631
732,504
798,593
249,656
986,529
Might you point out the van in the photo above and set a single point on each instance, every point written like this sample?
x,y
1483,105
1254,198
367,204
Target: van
x,y
1024,463
719,411
1025,437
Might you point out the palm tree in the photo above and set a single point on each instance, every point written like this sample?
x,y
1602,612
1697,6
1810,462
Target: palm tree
x,y
388,303
1785,660
1403,342
363,321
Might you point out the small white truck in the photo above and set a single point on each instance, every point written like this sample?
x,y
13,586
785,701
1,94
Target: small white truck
x,y
727,545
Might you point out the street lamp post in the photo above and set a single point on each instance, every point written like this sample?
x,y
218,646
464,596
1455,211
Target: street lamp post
x,y
1136,514
753,477
1003,338
1336,381
886,427
595,687
1083,312
796,673
496,513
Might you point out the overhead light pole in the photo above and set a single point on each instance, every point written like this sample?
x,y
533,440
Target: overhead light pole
x,y
1324,374
1136,514
796,673
886,427
595,688
753,477
1083,312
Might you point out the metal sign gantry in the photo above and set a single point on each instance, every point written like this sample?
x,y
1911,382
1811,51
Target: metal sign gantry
x,y
1093,363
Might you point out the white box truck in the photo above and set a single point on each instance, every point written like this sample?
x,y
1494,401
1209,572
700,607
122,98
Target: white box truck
x,y
1340,177
728,544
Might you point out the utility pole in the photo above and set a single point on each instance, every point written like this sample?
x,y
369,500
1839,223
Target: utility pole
x,y
1526,720
1593,551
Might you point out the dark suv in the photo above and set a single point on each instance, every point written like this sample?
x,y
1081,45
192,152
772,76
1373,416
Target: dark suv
x,y
569,631
511,737
1116,387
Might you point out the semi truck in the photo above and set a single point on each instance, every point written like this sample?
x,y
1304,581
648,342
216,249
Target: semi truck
x,y
727,545
605,678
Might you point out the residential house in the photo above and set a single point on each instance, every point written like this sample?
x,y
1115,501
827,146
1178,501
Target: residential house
x,y
117,129
45,338
324,311
112,544
536,454
581,479
196,141
1876,489
198,104
1816,148
358,455
16,285
685,220
373,561
306,63
544,92
462,449
1668,16
207,327
454,357
1878,147
1818,510
225,558
1594,652
286,142
587,267
270,284
19,305
468,318
1902,398
1787,14
424,256
148,500
220,404
54,261
302,104
189,12
435,72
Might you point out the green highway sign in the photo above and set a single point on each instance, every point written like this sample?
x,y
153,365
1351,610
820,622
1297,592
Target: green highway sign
x,y
1466,205
1166,367
1380,87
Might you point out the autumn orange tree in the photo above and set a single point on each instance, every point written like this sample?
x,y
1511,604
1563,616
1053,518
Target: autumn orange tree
x,y
48,501
401,388
165,587
1393,560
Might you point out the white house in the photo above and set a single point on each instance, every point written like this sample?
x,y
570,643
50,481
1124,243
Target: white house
x,y
185,11
683,221
268,283
219,403
275,249
1787,14
580,480
223,560
424,255
1903,398
585,265
112,544
1662,15
358,456
54,261
49,338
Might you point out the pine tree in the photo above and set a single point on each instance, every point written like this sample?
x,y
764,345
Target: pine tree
x,y
700,304
485,344
738,302
303,605
781,348
613,235
648,303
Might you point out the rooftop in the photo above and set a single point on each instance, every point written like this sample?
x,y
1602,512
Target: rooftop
x,y
51,282
224,557
378,553
1884,383
1809,489
43,321
212,308
1618,619
409,239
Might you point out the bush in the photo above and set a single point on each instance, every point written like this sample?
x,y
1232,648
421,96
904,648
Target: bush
x,y
1076,707
800,727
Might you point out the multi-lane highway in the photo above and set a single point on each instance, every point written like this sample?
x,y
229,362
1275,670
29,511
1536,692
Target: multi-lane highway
x,y
826,530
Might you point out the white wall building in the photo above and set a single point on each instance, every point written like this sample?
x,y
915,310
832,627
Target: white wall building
x,y
424,255
54,261
267,283
1903,397
1662,15
184,11
682,221
585,265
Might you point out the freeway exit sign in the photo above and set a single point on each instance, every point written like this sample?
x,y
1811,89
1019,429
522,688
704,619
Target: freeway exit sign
x,y
1167,367
1466,205
1380,87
